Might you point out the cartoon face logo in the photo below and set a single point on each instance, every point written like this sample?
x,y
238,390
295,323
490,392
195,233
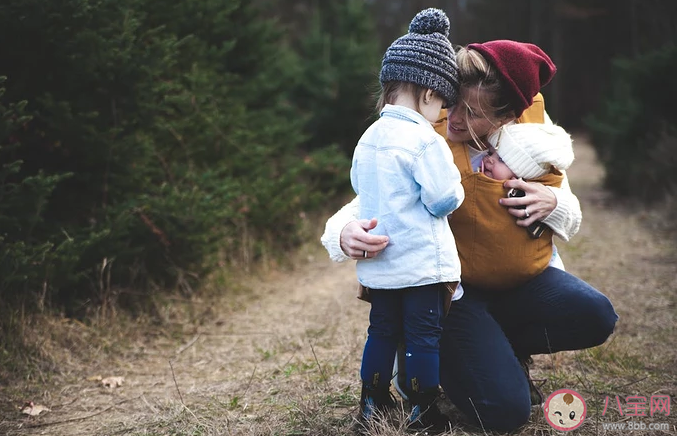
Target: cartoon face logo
x,y
565,410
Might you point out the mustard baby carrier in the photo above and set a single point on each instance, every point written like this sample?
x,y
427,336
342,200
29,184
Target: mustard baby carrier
x,y
496,253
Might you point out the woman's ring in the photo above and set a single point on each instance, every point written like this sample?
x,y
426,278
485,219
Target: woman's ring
x,y
364,254
526,214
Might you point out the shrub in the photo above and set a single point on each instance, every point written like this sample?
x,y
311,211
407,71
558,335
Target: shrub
x,y
634,132
154,136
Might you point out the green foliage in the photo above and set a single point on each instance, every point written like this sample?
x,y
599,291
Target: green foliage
x,y
25,259
152,136
340,61
634,132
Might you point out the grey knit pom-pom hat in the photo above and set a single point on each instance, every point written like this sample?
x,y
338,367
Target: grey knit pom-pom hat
x,y
424,56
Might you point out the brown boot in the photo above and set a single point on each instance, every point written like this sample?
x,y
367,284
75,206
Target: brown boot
x,y
537,398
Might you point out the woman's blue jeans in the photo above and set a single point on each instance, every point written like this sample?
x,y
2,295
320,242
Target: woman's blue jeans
x,y
485,332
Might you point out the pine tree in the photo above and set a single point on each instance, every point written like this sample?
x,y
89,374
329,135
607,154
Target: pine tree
x,y
634,131
174,125
339,62
25,258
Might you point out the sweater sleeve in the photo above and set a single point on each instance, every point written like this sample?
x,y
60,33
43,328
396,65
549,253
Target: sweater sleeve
x,y
331,238
565,219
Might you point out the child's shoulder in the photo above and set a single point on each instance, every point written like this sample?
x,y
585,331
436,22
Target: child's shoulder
x,y
405,127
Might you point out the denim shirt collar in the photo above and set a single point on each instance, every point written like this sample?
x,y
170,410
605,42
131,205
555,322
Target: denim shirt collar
x,y
404,113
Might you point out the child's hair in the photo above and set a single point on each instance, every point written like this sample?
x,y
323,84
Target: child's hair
x,y
391,90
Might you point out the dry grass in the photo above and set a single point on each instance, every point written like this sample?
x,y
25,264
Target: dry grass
x,y
279,354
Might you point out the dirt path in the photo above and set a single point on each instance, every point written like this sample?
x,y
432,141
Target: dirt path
x,y
290,350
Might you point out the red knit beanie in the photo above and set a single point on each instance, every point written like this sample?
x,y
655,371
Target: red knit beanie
x,y
524,67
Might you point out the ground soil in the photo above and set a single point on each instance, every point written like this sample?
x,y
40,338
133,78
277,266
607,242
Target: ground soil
x,y
262,355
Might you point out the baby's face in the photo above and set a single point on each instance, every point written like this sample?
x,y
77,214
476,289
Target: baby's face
x,y
565,410
494,167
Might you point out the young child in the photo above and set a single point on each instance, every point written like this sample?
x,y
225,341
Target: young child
x,y
405,175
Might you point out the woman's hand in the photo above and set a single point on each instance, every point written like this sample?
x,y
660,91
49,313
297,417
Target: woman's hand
x,y
538,199
357,243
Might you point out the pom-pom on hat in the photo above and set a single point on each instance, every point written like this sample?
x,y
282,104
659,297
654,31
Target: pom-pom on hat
x,y
524,67
424,56
530,149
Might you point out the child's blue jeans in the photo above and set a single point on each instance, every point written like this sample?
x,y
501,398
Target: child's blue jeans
x,y
413,313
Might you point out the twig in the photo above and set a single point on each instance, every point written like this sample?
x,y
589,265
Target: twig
x,y
616,388
176,384
249,383
597,414
550,352
479,419
188,345
162,237
61,406
324,377
181,396
217,335
288,360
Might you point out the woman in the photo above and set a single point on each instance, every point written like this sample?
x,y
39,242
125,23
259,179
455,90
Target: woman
x,y
489,335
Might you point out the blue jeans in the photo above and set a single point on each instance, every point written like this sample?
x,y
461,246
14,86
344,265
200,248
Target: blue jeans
x,y
485,333
413,313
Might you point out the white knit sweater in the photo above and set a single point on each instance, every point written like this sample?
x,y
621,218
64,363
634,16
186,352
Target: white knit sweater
x,y
564,220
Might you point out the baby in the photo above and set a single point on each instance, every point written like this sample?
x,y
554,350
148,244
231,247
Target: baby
x,y
527,151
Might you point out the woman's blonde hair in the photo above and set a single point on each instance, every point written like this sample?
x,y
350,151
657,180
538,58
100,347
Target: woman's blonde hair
x,y
476,73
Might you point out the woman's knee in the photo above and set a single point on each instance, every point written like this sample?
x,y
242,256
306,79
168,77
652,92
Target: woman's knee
x,y
601,321
590,310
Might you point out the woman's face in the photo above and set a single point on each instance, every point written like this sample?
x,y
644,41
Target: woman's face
x,y
468,115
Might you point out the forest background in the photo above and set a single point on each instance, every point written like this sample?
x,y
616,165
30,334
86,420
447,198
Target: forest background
x,y
145,144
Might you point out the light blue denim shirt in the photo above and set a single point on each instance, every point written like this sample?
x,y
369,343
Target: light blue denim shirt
x,y
405,175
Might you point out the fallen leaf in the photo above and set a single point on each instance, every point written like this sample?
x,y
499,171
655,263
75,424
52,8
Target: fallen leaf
x,y
112,382
33,409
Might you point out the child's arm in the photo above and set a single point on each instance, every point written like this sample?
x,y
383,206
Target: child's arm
x,y
439,178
